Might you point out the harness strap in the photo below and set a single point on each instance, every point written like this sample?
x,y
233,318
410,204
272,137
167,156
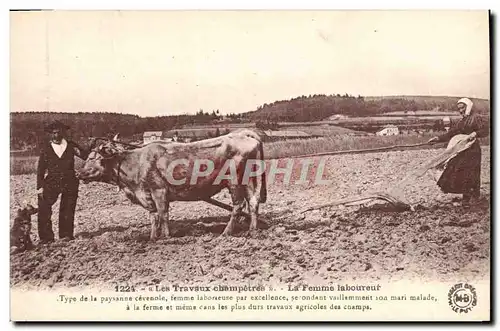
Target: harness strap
x,y
118,173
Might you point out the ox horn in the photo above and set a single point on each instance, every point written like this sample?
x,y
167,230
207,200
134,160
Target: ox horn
x,y
115,138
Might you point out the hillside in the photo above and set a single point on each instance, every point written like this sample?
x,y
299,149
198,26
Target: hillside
x,y
424,98
27,127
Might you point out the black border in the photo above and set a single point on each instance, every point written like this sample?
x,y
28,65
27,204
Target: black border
x,y
492,22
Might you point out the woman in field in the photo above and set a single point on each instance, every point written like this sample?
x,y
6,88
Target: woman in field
x,y
463,173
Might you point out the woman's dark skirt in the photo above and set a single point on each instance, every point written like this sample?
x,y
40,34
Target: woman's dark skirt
x,y
463,173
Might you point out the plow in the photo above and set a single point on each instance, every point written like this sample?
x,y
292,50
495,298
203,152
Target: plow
x,y
394,195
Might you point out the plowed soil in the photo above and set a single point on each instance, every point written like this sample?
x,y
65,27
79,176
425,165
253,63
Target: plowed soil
x,y
439,240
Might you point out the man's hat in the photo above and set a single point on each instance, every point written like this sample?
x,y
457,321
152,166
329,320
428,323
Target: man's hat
x,y
56,125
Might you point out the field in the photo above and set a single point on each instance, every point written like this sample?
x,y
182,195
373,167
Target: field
x,y
280,149
438,241
26,163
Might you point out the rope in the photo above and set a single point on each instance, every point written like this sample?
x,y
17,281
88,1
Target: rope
x,y
352,151
397,201
358,151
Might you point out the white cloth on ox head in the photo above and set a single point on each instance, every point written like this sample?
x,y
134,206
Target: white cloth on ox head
x,y
468,103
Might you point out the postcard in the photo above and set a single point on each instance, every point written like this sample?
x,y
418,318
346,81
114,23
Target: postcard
x,y
270,165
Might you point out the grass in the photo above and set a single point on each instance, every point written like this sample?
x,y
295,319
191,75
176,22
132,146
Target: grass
x,y
20,165
289,148
27,164
327,130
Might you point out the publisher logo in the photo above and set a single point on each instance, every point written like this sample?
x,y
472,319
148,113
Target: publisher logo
x,y
462,297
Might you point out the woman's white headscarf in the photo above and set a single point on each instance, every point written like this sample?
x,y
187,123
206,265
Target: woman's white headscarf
x,y
468,103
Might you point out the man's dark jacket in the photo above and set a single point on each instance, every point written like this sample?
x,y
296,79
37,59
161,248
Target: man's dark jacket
x,y
60,171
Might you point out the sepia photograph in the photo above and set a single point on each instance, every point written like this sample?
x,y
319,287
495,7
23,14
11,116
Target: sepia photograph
x,y
253,165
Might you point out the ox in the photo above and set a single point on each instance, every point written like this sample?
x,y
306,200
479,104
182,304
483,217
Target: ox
x,y
158,173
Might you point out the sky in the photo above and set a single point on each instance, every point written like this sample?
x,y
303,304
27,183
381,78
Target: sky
x,y
154,63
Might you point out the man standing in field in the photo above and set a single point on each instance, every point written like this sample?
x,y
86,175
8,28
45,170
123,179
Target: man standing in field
x,y
58,162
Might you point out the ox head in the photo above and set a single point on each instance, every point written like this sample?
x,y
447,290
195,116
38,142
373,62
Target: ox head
x,y
103,153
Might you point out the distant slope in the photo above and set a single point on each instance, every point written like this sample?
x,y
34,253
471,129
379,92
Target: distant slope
x,y
481,104
27,127
318,107
421,97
